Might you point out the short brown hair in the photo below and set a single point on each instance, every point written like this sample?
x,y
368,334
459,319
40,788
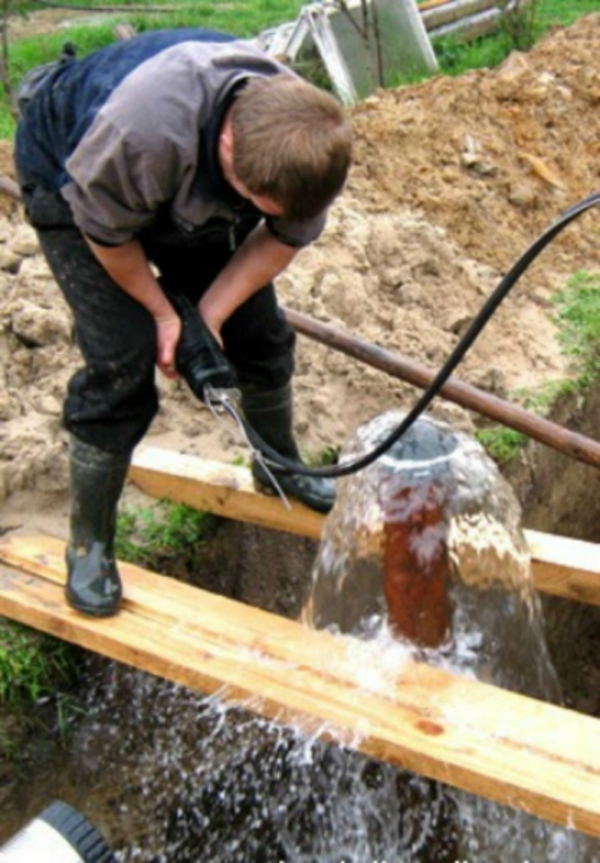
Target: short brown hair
x,y
291,143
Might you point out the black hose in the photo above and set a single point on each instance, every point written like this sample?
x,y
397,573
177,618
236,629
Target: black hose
x,y
457,355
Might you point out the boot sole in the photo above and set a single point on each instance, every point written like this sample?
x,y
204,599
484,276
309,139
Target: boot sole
x,y
270,491
92,611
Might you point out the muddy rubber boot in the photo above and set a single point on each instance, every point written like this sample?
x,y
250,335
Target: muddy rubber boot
x,y
97,479
269,412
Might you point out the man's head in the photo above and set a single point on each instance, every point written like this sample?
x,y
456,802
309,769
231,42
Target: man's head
x,y
291,144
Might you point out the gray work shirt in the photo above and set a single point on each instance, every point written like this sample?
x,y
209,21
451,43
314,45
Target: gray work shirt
x,y
151,139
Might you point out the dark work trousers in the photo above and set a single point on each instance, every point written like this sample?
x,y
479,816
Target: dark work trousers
x,y
112,400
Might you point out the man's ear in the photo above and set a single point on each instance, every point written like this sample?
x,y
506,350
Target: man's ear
x,y
226,143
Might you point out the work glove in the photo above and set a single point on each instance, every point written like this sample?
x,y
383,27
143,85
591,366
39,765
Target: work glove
x,y
198,357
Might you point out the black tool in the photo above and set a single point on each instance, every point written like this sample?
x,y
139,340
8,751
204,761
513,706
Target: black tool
x,y
198,356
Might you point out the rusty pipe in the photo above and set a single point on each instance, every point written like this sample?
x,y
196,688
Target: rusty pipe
x,y
571,444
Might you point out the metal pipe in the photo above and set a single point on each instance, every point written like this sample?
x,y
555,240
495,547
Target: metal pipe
x,y
572,444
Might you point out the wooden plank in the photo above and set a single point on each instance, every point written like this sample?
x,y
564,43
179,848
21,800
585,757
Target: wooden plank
x,y
222,489
430,4
562,567
468,29
509,748
565,567
458,10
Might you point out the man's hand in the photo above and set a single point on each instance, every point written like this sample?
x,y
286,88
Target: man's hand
x,y
168,333
129,267
198,357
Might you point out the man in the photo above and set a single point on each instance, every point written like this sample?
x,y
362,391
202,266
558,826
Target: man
x,y
176,163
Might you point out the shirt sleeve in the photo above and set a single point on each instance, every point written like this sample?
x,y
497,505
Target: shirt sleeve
x,y
295,233
118,182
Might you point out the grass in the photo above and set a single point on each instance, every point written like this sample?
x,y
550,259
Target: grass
x,y
543,399
165,537
38,677
326,456
502,444
33,665
578,321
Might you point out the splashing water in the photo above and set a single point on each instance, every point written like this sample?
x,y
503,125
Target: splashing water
x,y
427,540
426,544
217,783
187,779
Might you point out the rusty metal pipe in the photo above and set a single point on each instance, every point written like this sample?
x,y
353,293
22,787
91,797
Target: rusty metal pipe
x,y
571,444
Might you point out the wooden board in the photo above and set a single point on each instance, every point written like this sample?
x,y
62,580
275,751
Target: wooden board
x,y
509,748
219,488
562,567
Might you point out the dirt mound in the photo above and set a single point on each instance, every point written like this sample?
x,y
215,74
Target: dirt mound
x,y
452,180
494,155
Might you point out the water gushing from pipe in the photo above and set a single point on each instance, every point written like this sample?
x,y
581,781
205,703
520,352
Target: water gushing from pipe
x,y
189,778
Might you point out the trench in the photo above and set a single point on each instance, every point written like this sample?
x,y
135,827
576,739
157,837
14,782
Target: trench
x,y
169,776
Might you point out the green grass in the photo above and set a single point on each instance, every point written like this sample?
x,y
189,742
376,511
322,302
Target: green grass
x,y
91,30
245,18
328,455
502,444
553,13
32,664
38,677
578,319
542,400
164,537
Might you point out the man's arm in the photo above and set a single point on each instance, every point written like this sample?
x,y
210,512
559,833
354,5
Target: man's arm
x,y
257,262
128,266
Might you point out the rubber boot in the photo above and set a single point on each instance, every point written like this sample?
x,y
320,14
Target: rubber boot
x,y
97,479
269,412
